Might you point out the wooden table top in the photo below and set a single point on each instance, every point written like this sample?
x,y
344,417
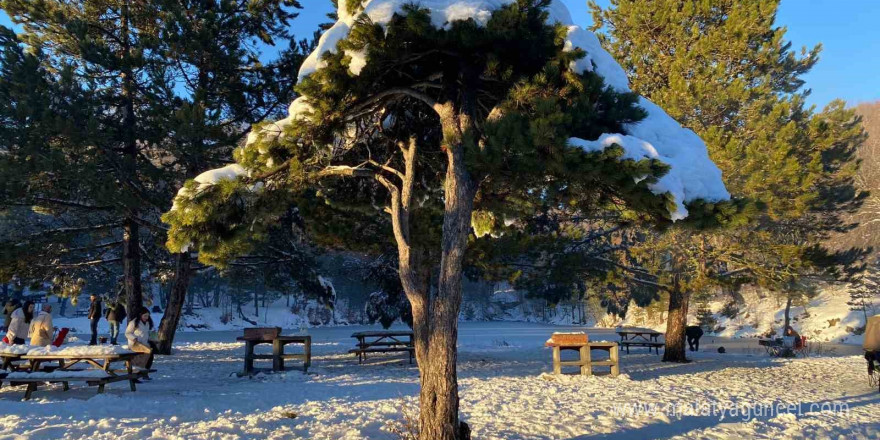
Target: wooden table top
x,y
638,331
379,333
292,338
44,357
602,344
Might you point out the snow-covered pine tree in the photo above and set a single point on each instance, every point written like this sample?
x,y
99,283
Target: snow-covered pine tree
x,y
431,111
724,69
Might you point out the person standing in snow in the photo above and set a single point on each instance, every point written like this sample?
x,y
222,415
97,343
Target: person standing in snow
x,y
7,314
693,333
41,327
138,334
94,317
115,315
20,323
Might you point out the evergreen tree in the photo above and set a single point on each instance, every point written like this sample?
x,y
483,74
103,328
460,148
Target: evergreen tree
x,y
221,87
197,80
722,68
438,126
102,182
865,291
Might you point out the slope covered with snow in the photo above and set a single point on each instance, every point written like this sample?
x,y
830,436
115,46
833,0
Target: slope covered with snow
x,y
506,394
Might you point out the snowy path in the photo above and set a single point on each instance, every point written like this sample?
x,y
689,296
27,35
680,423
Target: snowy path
x,y
504,395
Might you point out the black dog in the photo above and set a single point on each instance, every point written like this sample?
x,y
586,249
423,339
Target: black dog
x,y
693,333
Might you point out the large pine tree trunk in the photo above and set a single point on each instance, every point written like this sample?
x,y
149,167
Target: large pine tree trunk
x,y
675,325
439,394
131,268
174,307
131,250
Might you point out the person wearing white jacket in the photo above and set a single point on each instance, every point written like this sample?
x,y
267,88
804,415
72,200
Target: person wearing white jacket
x,y
20,323
41,327
138,334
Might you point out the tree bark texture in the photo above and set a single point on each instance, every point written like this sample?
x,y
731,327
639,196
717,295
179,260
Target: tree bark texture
x,y
174,307
675,325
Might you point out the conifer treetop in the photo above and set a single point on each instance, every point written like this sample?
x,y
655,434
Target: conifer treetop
x,y
692,175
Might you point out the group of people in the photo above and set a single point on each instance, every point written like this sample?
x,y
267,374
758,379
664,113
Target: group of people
x,y
20,323
114,313
137,332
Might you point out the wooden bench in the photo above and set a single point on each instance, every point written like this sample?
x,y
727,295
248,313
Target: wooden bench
x,y
585,360
650,344
383,342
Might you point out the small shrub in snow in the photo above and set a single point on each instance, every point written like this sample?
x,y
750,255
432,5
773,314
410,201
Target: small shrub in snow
x,y
407,426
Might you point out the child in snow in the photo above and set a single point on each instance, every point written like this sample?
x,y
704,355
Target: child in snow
x,y
138,334
20,323
41,327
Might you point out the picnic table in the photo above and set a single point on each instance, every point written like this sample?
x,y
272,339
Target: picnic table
x,y
7,359
278,356
98,370
585,360
640,337
779,348
383,341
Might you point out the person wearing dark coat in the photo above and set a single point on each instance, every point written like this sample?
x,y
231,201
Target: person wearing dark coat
x,y
115,314
693,333
94,317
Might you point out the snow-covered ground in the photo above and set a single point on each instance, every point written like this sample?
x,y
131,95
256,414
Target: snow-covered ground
x,y
506,393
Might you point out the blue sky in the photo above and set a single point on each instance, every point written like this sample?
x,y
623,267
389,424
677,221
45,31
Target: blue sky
x,y
849,67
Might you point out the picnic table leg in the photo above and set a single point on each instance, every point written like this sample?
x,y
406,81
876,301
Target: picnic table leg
x,y
277,352
131,379
100,388
30,390
308,352
586,361
65,386
615,357
248,357
557,369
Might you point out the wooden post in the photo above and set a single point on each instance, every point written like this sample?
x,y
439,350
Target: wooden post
x,y
557,369
615,357
308,353
277,355
586,361
248,357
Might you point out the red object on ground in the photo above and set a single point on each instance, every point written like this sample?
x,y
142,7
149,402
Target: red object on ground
x,y
5,341
61,335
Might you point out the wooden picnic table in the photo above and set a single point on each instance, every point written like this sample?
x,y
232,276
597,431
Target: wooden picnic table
x,y
92,362
383,341
640,337
278,356
585,361
8,359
